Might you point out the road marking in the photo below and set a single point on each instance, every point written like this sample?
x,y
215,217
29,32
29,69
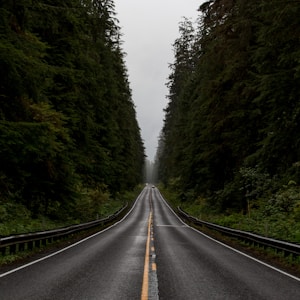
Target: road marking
x,y
145,286
153,282
150,283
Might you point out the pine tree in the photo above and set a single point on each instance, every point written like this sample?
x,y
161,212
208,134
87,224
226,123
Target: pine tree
x,y
67,120
237,106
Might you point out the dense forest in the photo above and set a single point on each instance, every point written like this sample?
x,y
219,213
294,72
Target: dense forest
x,y
231,135
68,131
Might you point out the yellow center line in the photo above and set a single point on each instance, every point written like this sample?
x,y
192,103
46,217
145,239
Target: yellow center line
x,y
145,286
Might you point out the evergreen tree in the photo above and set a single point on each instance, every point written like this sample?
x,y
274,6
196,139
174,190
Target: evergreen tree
x,y
176,117
236,107
67,120
276,61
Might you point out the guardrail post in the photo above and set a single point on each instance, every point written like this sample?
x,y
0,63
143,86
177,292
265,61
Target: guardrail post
x,y
294,256
21,247
3,250
37,243
12,249
30,245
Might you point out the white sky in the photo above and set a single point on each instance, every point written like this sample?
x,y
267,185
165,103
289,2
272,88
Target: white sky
x,y
149,29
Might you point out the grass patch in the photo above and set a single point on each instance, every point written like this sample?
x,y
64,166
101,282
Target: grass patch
x,y
17,219
42,224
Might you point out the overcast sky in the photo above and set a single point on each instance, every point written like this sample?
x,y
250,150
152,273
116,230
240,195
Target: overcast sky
x,y
149,29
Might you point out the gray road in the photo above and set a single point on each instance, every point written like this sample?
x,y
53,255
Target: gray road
x,y
180,264
192,266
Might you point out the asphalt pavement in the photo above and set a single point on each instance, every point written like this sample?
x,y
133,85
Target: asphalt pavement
x,y
150,254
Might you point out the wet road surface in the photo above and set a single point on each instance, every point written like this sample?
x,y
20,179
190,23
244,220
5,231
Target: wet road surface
x,y
150,254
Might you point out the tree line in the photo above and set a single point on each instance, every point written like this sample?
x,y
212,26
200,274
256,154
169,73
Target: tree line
x,y
68,127
232,125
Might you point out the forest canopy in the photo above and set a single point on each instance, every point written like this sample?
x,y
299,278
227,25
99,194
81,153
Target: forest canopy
x,y
232,125
68,128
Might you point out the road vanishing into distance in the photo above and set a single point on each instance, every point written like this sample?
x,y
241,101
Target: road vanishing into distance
x,y
150,254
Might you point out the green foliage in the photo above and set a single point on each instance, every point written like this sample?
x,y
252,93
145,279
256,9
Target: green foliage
x,y
286,201
15,218
231,131
276,216
67,121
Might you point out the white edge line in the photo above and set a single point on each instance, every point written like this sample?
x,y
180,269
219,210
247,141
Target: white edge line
x,y
73,245
235,250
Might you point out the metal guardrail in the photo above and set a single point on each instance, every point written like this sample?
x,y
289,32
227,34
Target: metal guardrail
x,y
280,246
17,243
